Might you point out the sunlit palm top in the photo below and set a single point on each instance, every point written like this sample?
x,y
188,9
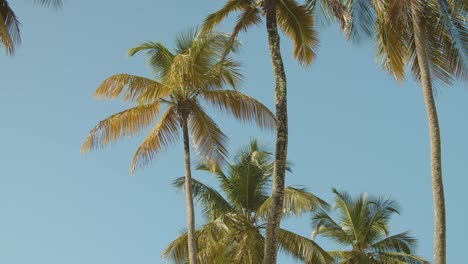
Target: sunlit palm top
x,y
192,73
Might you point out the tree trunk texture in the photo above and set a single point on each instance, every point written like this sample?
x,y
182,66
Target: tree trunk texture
x,y
436,152
192,239
272,229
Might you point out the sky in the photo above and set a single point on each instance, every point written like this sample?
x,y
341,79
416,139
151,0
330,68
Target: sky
x,y
351,127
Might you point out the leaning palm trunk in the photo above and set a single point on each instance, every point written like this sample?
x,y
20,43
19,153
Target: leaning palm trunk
x,y
192,240
436,161
272,229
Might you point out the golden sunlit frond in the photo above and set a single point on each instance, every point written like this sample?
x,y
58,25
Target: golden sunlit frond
x,y
335,9
297,22
125,123
163,134
392,38
132,88
215,18
208,140
241,106
9,28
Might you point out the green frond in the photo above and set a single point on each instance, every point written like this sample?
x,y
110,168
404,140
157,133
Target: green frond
x,y
323,224
400,258
132,88
125,123
363,19
241,106
207,139
297,22
217,17
247,245
225,72
211,200
165,133
333,10
177,251
160,57
296,201
302,248
50,3
9,28
402,242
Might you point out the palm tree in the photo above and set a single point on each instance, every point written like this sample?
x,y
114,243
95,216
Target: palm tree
x,y
237,216
362,226
10,26
430,37
297,22
193,72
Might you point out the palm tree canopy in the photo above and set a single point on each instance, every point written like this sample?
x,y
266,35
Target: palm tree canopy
x,y
294,19
10,35
237,216
192,72
389,22
362,225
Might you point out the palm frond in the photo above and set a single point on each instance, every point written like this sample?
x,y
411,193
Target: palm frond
x,y
160,57
212,201
323,224
225,72
163,134
132,88
363,19
297,22
50,3
400,258
402,242
296,201
333,9
208,140
9,28
217,17
243,107
302,248
125,123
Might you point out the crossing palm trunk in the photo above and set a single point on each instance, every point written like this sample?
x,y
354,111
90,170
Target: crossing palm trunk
x,y
192,239
272,229
436,152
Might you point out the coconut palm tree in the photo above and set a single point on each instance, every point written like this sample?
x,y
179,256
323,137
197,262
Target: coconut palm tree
x,y
10,26
362,226
430,37
237,215
297,22
185,77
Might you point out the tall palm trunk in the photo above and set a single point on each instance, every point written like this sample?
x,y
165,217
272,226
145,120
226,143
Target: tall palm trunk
x,y
192,240
436,153
272,229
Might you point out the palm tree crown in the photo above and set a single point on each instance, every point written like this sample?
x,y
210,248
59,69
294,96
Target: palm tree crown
x,y
363,226
237,216
190,74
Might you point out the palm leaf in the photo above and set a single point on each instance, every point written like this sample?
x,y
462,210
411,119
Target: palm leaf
x,y
402,242
302,248
9,28
297,21
217,17
212,201
403,258
132,88
50,3
125,123
296,201
323,224
241,106
163,134
160,58
208,140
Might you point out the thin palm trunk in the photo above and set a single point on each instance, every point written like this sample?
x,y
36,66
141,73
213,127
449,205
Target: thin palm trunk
x,y
436,153
272,229
192,240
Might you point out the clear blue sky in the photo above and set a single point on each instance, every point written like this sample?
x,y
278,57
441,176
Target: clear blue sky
x,y
351,127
